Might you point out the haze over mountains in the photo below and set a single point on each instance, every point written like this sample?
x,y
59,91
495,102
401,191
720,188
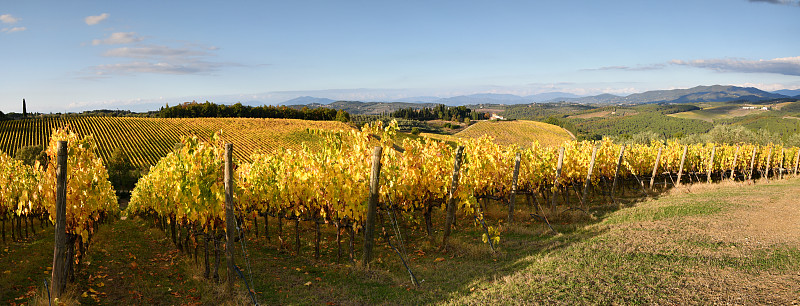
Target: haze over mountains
x,y
715,93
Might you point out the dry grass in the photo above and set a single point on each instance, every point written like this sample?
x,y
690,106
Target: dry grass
x,y
730,243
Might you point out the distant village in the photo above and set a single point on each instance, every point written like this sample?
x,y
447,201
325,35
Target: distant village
x,y
756,107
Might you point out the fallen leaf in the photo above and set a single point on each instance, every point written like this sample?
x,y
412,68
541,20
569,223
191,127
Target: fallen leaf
x,y
438,259
307,284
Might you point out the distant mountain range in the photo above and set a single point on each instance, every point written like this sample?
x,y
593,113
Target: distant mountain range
x,y
715,93
308,100
788,92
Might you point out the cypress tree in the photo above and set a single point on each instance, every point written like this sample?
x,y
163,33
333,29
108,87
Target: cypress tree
x,y
24,109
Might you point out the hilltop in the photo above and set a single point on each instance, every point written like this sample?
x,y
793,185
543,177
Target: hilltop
x,y
519,132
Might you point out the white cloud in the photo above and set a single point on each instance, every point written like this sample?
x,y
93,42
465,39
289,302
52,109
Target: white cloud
x,y
782,2
783,65
118,38
768,86
93,20
188,59
14,29
629,68
153,52
187,67
7,18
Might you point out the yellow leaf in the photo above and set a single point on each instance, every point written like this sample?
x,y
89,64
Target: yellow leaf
x,y
307,284
438,259
85,294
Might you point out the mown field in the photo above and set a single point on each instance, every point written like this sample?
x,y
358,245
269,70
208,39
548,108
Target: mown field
x,y
520,132
146,140
718,112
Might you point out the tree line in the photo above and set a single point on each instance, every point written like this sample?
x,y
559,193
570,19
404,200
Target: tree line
x,y
211,110
441,111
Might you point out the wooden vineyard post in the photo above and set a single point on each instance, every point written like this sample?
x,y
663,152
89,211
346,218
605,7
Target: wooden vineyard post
x,y
372,206
752,164
769,159
655,168
513,196
58,281
733,167
616,172
683,159
451,198
780,170
555,181
796,162
711,162
588,179
229,217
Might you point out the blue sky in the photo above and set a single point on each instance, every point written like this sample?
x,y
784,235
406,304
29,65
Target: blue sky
x,y
77,55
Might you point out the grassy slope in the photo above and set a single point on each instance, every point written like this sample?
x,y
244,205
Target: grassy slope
x,y
519,132
148,139
705,245
709,245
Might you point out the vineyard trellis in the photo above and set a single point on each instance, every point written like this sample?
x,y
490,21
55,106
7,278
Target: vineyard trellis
x,y
330,183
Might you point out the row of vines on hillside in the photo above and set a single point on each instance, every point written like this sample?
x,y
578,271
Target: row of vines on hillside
x,y
330,184
28,193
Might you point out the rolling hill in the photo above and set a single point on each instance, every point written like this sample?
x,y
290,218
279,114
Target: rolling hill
x,y
519,132
147,140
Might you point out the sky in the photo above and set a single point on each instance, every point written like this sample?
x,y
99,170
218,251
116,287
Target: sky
x,y
81,55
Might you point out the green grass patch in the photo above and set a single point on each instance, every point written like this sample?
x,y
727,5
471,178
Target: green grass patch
x,y
656,213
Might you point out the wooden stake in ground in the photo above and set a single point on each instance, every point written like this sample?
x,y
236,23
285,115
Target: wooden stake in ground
x,y
780,170
752,164
229,218
711,162
796,162
588,179
451,198
555,180
616,172
769,159
513,197
733,167
655,168
683,158
372,206
58,281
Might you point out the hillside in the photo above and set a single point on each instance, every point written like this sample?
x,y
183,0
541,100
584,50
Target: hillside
x,y
520,132
146,140
714,93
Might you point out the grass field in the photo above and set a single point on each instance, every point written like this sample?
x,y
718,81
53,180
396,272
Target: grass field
x,y
717,112
146,140
519,132
731,243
